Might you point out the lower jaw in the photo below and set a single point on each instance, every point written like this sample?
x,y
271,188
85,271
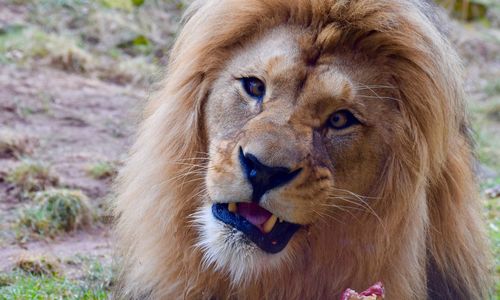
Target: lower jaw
x,y
273,242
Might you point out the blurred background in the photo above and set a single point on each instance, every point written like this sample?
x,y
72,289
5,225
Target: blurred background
x,y
73,77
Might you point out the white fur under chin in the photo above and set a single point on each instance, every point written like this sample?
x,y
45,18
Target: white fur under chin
x,y
226,249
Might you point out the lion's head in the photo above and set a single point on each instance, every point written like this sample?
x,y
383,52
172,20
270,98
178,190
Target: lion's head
x,y
299,148
295,137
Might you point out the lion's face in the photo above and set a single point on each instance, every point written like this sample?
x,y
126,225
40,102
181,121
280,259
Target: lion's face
x,y
296,140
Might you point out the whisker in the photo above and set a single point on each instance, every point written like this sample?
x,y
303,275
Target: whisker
x,y
373,86
379,97
323,216
365,204
358,207
191,158
371,89
353,193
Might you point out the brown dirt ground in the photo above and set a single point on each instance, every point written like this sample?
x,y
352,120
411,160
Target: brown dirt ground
x,y
72,121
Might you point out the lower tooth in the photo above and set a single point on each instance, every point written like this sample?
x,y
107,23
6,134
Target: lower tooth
x,y
269,225
232,207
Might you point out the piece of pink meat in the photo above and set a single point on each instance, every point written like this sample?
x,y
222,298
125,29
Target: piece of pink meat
x,y
376,290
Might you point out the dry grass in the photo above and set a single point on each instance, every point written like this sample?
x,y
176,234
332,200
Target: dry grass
x,y
109,39
31,176
13,144
468,9
26,44
38,265
102,170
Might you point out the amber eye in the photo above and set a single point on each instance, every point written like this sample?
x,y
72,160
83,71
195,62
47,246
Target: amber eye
x,y
254,87
342,119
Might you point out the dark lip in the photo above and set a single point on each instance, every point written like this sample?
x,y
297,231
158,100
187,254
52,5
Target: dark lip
x,y
272,242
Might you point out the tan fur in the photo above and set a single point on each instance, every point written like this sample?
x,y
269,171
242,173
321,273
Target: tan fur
x,y
377,203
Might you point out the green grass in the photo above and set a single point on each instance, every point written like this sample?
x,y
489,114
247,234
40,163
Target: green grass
x,y
488,148
469,9
486,123
95,285
94,282
493,87
23,44
102,170
122,41
126,5
54,211
32,287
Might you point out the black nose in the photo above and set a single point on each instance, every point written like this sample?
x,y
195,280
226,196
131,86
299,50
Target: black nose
x,y
264,178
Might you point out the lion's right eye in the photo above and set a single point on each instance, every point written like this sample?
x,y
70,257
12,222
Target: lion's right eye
x,y
254,87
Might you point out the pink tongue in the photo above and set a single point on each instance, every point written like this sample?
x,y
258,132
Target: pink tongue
x,y
253,213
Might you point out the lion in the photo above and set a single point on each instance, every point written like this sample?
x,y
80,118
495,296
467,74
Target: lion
x,y
300,148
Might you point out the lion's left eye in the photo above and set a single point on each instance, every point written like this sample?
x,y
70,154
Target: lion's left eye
x,y
342,119
254,87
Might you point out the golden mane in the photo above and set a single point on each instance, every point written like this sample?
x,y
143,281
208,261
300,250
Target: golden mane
x,y
427,192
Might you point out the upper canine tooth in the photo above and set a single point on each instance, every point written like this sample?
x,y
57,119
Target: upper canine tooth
x,y
268,226
232,207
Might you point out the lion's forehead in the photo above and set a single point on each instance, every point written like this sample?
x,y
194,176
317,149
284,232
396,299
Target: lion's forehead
x,y
274,49
293,67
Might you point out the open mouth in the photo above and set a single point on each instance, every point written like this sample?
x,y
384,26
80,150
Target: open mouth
x,y
262,227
